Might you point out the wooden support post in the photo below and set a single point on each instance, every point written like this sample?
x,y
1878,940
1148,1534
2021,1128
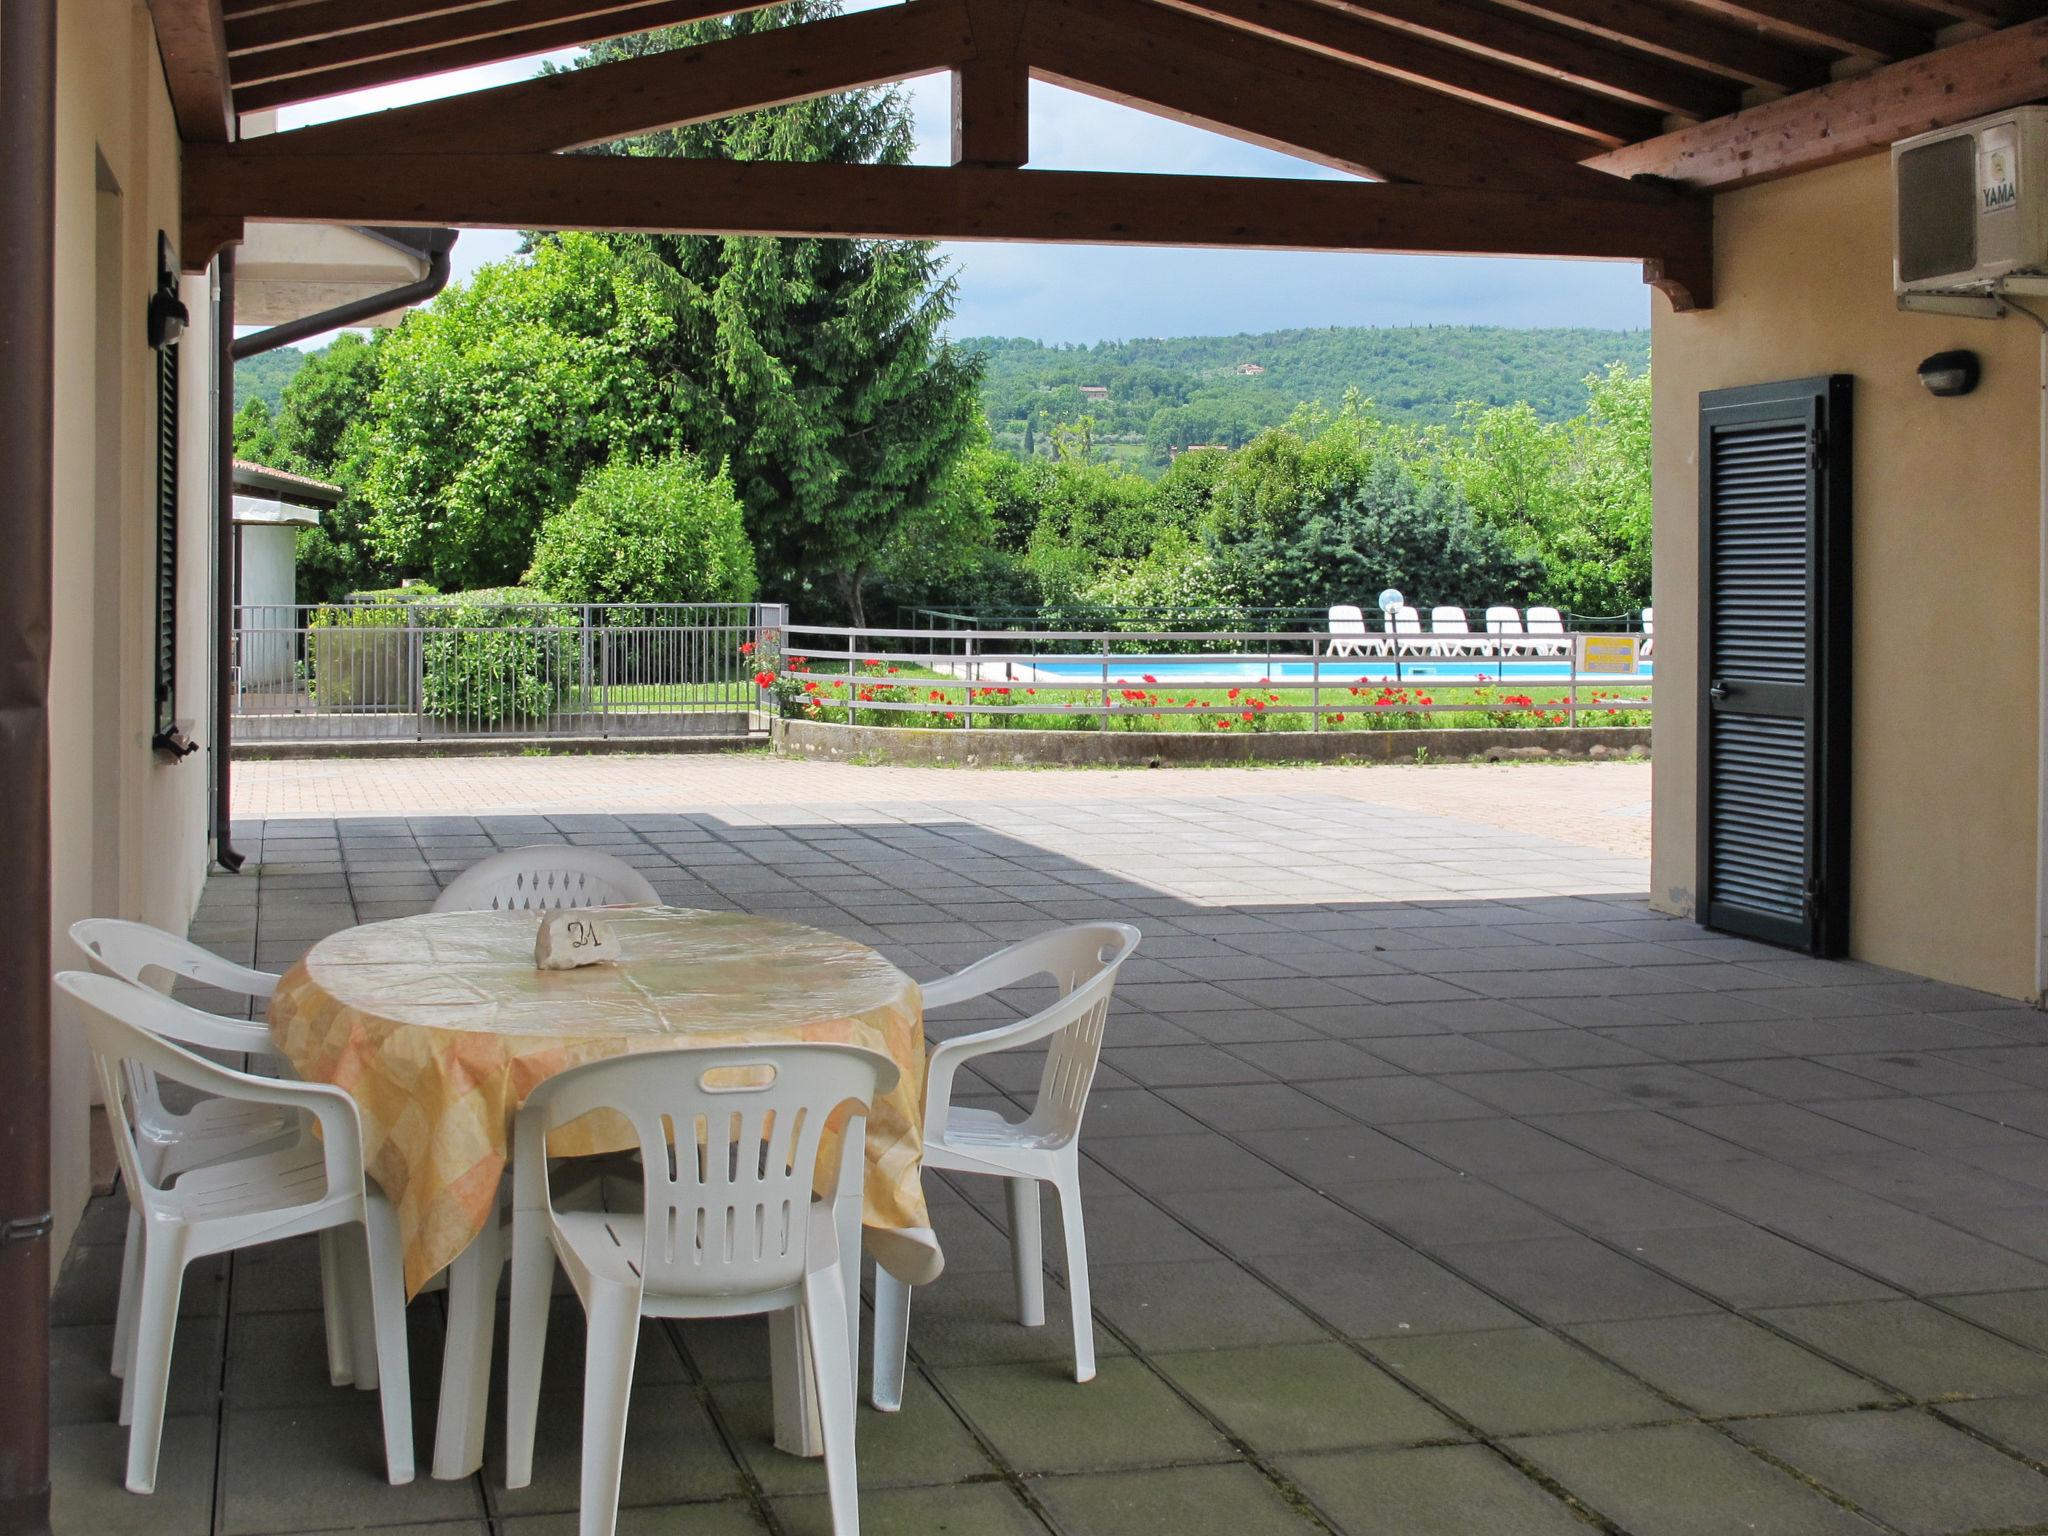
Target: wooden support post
x,y
992,113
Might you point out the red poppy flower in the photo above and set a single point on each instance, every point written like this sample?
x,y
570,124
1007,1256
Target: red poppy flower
x,y
746,647
764,679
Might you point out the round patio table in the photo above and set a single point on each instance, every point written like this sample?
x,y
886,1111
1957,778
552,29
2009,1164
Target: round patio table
x,y
439,1025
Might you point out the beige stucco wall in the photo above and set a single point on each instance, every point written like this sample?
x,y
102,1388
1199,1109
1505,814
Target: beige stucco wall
x,y
129,832
1946,555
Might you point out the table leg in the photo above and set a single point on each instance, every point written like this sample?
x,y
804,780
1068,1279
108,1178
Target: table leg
x,y
466,1355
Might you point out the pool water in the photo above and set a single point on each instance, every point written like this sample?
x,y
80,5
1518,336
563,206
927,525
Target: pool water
x,y
1185,671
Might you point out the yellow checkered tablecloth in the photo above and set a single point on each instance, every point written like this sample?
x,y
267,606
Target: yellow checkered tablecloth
x,y
440,1025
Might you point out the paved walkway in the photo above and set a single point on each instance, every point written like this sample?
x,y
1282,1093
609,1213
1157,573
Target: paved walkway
x,y
1435,1188
1603,805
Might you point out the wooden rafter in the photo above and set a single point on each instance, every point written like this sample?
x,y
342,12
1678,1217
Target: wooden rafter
x,y
492,191
325,65
1686,38
1836,25
189,35
1849,117
628,97
1572,57
276,21
1142,54
1423,61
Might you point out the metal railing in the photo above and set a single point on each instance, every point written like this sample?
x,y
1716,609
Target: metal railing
x,y
459,669
1181,622
1223,680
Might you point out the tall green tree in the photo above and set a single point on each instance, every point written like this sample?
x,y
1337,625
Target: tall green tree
x,y
322,428
813,369
1574,494
496,401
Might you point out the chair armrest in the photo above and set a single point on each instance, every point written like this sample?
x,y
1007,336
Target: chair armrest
x,y
341,1131
946,1059
215,1033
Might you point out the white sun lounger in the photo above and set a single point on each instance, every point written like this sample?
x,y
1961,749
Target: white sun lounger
x,y
1504,625
1546,627
1408,638
1452,633
1649,631
1348,634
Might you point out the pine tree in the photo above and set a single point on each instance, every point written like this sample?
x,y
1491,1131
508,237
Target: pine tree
x,y
813,368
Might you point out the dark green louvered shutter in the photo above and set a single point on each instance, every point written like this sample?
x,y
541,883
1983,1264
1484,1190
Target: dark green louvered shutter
x,y
166,489
1774,696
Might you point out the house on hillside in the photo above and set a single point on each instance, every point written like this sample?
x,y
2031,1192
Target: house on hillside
x,y
1094,391
1248,370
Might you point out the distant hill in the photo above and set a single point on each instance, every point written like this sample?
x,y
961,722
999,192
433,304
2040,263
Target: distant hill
x,y
1166,394
264,376
1163,394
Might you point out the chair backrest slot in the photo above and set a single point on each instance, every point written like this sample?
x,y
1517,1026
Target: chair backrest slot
x,y
733,1216
547,877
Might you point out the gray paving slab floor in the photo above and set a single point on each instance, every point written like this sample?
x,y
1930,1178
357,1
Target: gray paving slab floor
x,y
1435,1186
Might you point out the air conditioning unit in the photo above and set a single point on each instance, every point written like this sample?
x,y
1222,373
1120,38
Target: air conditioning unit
x,y
1971,204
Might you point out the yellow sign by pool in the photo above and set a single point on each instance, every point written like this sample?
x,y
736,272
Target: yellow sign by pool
x,y
1610,655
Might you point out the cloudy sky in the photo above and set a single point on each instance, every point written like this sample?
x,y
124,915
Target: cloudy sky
x,y
1093,293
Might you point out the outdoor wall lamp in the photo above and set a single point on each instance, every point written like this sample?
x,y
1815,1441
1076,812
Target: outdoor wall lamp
x,y
1951,373
168,316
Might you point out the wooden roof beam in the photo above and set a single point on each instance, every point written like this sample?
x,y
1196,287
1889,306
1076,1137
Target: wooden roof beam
x,y
1178,65
507,191
1849,117
1686,38
255,24
191,40
1836,25
407,50
623,99
1572,57
1423,61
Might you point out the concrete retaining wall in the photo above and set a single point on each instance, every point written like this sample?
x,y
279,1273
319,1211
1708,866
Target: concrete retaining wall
x,y
1170,749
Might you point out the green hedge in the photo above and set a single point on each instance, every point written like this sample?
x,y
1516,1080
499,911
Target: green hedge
x,y
511,658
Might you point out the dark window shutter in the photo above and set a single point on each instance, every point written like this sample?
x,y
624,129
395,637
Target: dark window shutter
x,y
166,536
1774,596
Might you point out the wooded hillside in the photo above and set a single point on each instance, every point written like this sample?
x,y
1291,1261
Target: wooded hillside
x,y
1172,392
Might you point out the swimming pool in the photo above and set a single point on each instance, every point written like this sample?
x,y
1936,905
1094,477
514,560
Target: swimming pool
x,y
1191,671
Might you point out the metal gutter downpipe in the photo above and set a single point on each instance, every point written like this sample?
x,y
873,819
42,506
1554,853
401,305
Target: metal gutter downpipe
x,y
28,238
439,265
232,350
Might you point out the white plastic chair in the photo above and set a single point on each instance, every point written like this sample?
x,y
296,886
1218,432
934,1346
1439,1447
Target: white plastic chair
x,y
1452,632
1043,1147
1348,634
1407,631
169,1142
315,1184
1504,625
544,878
727,1228
1546,627
1649,631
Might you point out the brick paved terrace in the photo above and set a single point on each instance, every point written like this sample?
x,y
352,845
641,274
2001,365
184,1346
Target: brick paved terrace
x,y
1437,1188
